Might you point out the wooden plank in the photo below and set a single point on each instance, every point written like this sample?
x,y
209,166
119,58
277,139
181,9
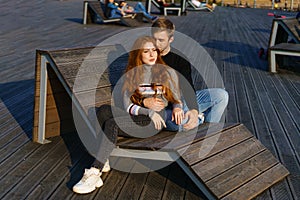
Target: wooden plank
x,y
79,54
39,171
163,139
13,146
217,143
90,67
242,173
175,184
213,166
289,47
25,167
53,86
115,181
155,184
79,163
55,177
16,131
134,183
16,158
259,184
256,25
53,101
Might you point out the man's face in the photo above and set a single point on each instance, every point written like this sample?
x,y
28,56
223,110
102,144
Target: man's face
x,y
162,41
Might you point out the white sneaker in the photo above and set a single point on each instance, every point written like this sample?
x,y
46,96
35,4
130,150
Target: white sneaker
x,y
89,182
214,5
106,167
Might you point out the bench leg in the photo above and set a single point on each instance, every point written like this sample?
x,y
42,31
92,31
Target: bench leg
x,y
272,62
85,12
43,102
273,65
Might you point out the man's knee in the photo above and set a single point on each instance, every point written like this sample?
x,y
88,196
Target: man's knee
x,y
220,94
225,95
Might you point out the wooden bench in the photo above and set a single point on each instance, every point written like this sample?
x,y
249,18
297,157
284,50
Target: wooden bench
x,y
166,9
284,40
181,9
236,165
93,10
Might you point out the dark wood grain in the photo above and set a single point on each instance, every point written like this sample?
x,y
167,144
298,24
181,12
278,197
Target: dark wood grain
x,y
27,26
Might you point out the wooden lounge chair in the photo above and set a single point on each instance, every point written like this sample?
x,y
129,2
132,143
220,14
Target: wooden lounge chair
x,y
237,166
167,8
284,40
192,6
94,11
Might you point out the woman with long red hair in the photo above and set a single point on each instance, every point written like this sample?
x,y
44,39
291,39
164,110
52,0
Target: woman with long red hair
x,y
148,76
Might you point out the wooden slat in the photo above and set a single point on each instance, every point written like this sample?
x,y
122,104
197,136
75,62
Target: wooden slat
x,y
217,143
170,140
270,125
288,47
242,173
213,166
259,184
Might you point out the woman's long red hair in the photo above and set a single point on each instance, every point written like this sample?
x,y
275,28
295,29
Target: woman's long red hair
x,y
135,72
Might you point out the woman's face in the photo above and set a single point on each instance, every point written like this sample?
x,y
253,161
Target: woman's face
x,y
149,53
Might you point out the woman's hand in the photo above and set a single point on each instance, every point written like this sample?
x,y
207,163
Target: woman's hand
x,y
158,121
177,115
153,103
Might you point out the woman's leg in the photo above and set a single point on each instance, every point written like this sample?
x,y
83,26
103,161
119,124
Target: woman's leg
x,y
112,127
116,122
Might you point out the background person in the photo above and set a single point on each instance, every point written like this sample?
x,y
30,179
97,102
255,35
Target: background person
x,y
138,8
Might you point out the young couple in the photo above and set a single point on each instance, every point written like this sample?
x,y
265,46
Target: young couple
x,y
152,99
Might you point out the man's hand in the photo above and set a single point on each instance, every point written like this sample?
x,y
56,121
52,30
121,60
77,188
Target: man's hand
x,y
158,121
193,119
155,104
177,115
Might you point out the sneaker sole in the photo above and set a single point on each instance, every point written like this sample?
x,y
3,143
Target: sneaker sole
x,y
80,191
105,170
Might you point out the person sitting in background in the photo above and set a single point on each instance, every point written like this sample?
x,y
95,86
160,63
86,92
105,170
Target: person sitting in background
x,y
138,8
199,4
112,9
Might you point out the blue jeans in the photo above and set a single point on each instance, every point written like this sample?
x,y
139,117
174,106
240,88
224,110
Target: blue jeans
x,y
139,7
115,13
212,102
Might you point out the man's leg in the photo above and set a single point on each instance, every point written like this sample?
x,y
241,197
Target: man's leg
x,y
212,102
139,7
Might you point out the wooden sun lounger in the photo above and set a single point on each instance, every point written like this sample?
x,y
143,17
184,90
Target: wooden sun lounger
x,y
193,7
237,166
165,9
93,10
284,40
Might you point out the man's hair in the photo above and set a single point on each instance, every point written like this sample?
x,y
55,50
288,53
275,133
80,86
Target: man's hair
x,y
163,24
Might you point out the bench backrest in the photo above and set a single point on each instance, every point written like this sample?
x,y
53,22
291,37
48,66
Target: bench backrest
x,y
84,74
98,8
284,30
91,72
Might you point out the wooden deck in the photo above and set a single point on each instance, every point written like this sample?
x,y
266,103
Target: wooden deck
x,y
268,104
